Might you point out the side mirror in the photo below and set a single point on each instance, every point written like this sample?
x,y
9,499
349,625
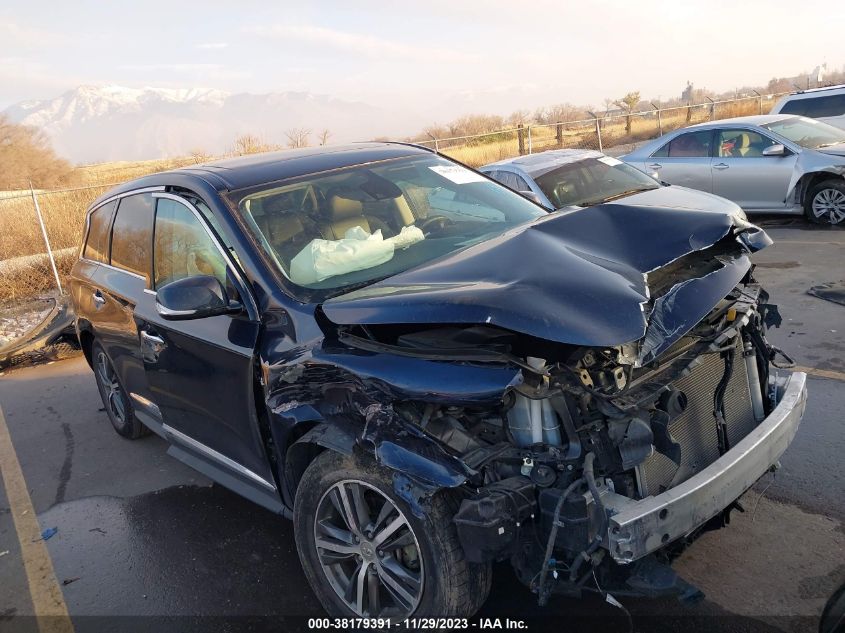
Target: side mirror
x,y
194,298
775,150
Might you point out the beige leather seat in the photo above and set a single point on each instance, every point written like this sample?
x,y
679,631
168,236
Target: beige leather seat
x,y
341,215
742,146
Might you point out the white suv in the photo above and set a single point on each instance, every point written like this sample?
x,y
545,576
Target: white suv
x,y
824,104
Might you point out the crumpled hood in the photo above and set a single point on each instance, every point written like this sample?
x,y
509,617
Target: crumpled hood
x,y
682,198
577,278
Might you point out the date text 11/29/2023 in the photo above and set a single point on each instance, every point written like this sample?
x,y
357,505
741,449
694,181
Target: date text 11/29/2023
x,y
436,624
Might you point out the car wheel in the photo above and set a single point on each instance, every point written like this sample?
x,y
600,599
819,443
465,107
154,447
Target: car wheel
x,y
825,203
366,554
114,396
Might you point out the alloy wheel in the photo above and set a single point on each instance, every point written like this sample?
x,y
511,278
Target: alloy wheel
x,y
829,205
113,390
368,551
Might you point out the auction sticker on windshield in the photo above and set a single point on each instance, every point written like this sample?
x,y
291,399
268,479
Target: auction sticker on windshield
x,y
457,174
609,160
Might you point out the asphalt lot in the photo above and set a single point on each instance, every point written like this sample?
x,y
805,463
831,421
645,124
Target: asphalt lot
x,y
139,534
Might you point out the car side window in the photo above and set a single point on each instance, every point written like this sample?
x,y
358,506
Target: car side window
x,y
816,107
97,245
132,234
690,145
741,143
183,247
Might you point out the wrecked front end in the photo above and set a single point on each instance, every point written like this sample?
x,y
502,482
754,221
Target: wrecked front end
x,y
585,425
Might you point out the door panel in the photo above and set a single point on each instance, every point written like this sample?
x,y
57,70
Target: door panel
x,y
200,371
113,295
684,161
742,174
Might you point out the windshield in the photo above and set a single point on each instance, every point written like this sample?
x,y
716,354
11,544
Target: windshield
x,y
592,181
807,132
354,226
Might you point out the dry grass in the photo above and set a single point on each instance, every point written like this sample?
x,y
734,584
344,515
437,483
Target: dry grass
x,y
64,212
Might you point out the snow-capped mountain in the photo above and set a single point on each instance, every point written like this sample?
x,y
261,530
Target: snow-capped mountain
x,y
106,123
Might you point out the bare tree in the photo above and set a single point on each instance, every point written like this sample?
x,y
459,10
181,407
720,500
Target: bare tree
x,y
519,116
26,155
298,137
324,137
199,155
628,103
250,144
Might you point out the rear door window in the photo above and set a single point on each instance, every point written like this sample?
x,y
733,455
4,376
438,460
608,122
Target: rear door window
x,y
689,145
97,245
132,234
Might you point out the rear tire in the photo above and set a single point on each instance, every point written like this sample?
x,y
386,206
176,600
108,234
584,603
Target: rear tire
x,y
115,399
825,202
423,553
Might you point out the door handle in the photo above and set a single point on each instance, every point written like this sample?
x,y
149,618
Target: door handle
x,y
98,297
720,166
655,166
151,346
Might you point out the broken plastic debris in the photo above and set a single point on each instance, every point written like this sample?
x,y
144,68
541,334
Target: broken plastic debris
x,y
3,553
49,533
67,581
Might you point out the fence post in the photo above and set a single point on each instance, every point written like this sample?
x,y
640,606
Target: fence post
x,y
712,108
520,135
530,146
598,128
759,99
659,120
689,112
46,240
559,134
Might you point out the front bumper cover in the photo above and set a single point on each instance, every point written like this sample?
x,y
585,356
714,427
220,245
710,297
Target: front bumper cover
x,y
638,528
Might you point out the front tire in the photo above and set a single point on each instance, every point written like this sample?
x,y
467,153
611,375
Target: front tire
x,y
115,399
366,554
825,203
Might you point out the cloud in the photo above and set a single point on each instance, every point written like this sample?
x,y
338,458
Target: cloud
x,y
172,67
364,45
211,46
17,37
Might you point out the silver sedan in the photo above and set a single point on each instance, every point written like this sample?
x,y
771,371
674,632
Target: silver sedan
x,y
766,164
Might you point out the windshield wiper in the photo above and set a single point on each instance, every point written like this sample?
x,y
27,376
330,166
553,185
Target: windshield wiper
x,y
615,196
830,144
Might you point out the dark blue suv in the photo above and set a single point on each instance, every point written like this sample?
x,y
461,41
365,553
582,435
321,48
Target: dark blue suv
x,y
428,373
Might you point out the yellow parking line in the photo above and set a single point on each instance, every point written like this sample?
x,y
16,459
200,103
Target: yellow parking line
x,y
47,599
821,373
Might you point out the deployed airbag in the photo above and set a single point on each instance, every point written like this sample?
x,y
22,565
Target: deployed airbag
x,y
358,250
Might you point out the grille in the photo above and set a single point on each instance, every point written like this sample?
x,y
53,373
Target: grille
x,y
695,428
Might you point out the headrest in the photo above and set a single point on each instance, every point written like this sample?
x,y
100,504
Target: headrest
x,y
282,228
344,208
743,141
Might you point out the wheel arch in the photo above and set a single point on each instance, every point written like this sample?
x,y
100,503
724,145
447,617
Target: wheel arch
x,y
312,439
86,341
813,178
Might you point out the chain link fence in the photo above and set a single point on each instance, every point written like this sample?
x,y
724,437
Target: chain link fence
x,y
611,131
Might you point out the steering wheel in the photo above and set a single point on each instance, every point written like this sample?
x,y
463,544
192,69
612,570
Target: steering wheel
x,y
435,223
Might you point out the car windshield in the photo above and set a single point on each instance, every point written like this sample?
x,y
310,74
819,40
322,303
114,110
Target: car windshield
x,y
353,226
807,133
592,181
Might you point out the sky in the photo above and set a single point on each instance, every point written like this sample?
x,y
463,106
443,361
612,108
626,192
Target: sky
x,y
489,55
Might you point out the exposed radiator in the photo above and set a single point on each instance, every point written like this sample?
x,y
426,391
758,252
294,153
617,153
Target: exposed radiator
x,y
695,428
